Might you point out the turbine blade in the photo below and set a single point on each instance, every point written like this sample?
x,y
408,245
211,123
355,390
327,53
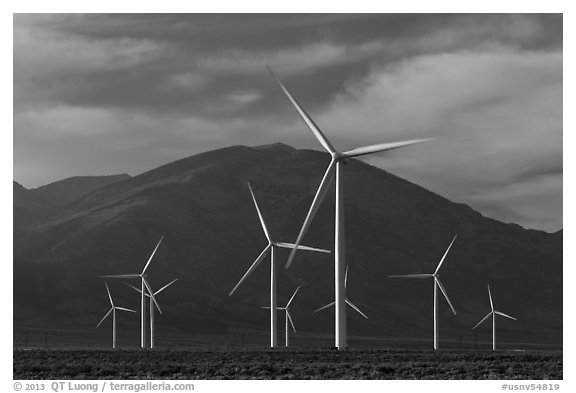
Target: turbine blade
x,y
318,198
109,296
290,319
355,308
483,319
346,277
383,147
105,316
137,289
152,255
133,287
259,214
151,293
307,119
122,276
445,294
411,275
292,298
265,307
165,286
252,267
505,315
305,248
445,253
490,296
324,307
124,309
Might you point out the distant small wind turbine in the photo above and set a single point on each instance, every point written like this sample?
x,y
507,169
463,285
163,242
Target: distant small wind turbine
x,y
348,302
334,169
493,313
144,286
437,284
272,248
112,311
152,304
288,316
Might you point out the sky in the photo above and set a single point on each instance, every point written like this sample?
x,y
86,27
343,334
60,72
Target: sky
x,y
98,94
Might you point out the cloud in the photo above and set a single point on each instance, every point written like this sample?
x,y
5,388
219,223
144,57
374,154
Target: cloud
x,y
533,204
47,63
295,59
125,93
502,109
188,80
244,97
92,141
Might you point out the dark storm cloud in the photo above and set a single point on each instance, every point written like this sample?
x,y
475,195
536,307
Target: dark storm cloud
x,y
222,50
143,90
271,31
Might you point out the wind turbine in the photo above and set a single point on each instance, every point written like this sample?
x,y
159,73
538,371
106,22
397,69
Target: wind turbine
x,y
334,169
112,311
272,247
493,313
437,284
346,300
288,316
144,286
152,307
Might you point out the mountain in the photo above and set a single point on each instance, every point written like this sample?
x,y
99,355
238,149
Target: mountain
x,y
29,207
63,192
202,206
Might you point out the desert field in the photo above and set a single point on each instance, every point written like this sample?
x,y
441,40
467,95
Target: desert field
x,y
310,363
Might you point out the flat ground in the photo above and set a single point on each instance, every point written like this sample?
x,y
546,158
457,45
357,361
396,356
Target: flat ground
x,y
242,363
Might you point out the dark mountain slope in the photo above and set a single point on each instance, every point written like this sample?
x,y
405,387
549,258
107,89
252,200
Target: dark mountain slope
x,y
202,206
64,192
29,207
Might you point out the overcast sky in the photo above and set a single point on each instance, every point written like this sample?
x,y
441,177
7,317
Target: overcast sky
x,y
107,94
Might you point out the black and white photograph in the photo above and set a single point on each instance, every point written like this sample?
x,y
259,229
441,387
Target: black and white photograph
x,y
287,196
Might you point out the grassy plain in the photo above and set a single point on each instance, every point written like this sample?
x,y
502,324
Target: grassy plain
x,y
320,363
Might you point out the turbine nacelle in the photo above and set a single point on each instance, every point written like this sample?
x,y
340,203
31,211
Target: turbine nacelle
x,y
346,300
113,308
437,284
337,158
493,311
155,293
271,244
286,309
142,276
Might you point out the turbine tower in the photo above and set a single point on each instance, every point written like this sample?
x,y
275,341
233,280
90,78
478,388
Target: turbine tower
x,y
272,247
152,304
346,300
437,284
113,312
493,314
144,286
334,169
288,317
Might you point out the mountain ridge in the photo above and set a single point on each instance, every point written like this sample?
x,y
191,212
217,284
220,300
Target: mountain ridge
x,y
202,206
63,192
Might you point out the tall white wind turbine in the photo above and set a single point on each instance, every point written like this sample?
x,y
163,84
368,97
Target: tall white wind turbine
x,y
334,169
288,317
346,300
437,284
112,311
144,286
152,304
272,247
493,314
